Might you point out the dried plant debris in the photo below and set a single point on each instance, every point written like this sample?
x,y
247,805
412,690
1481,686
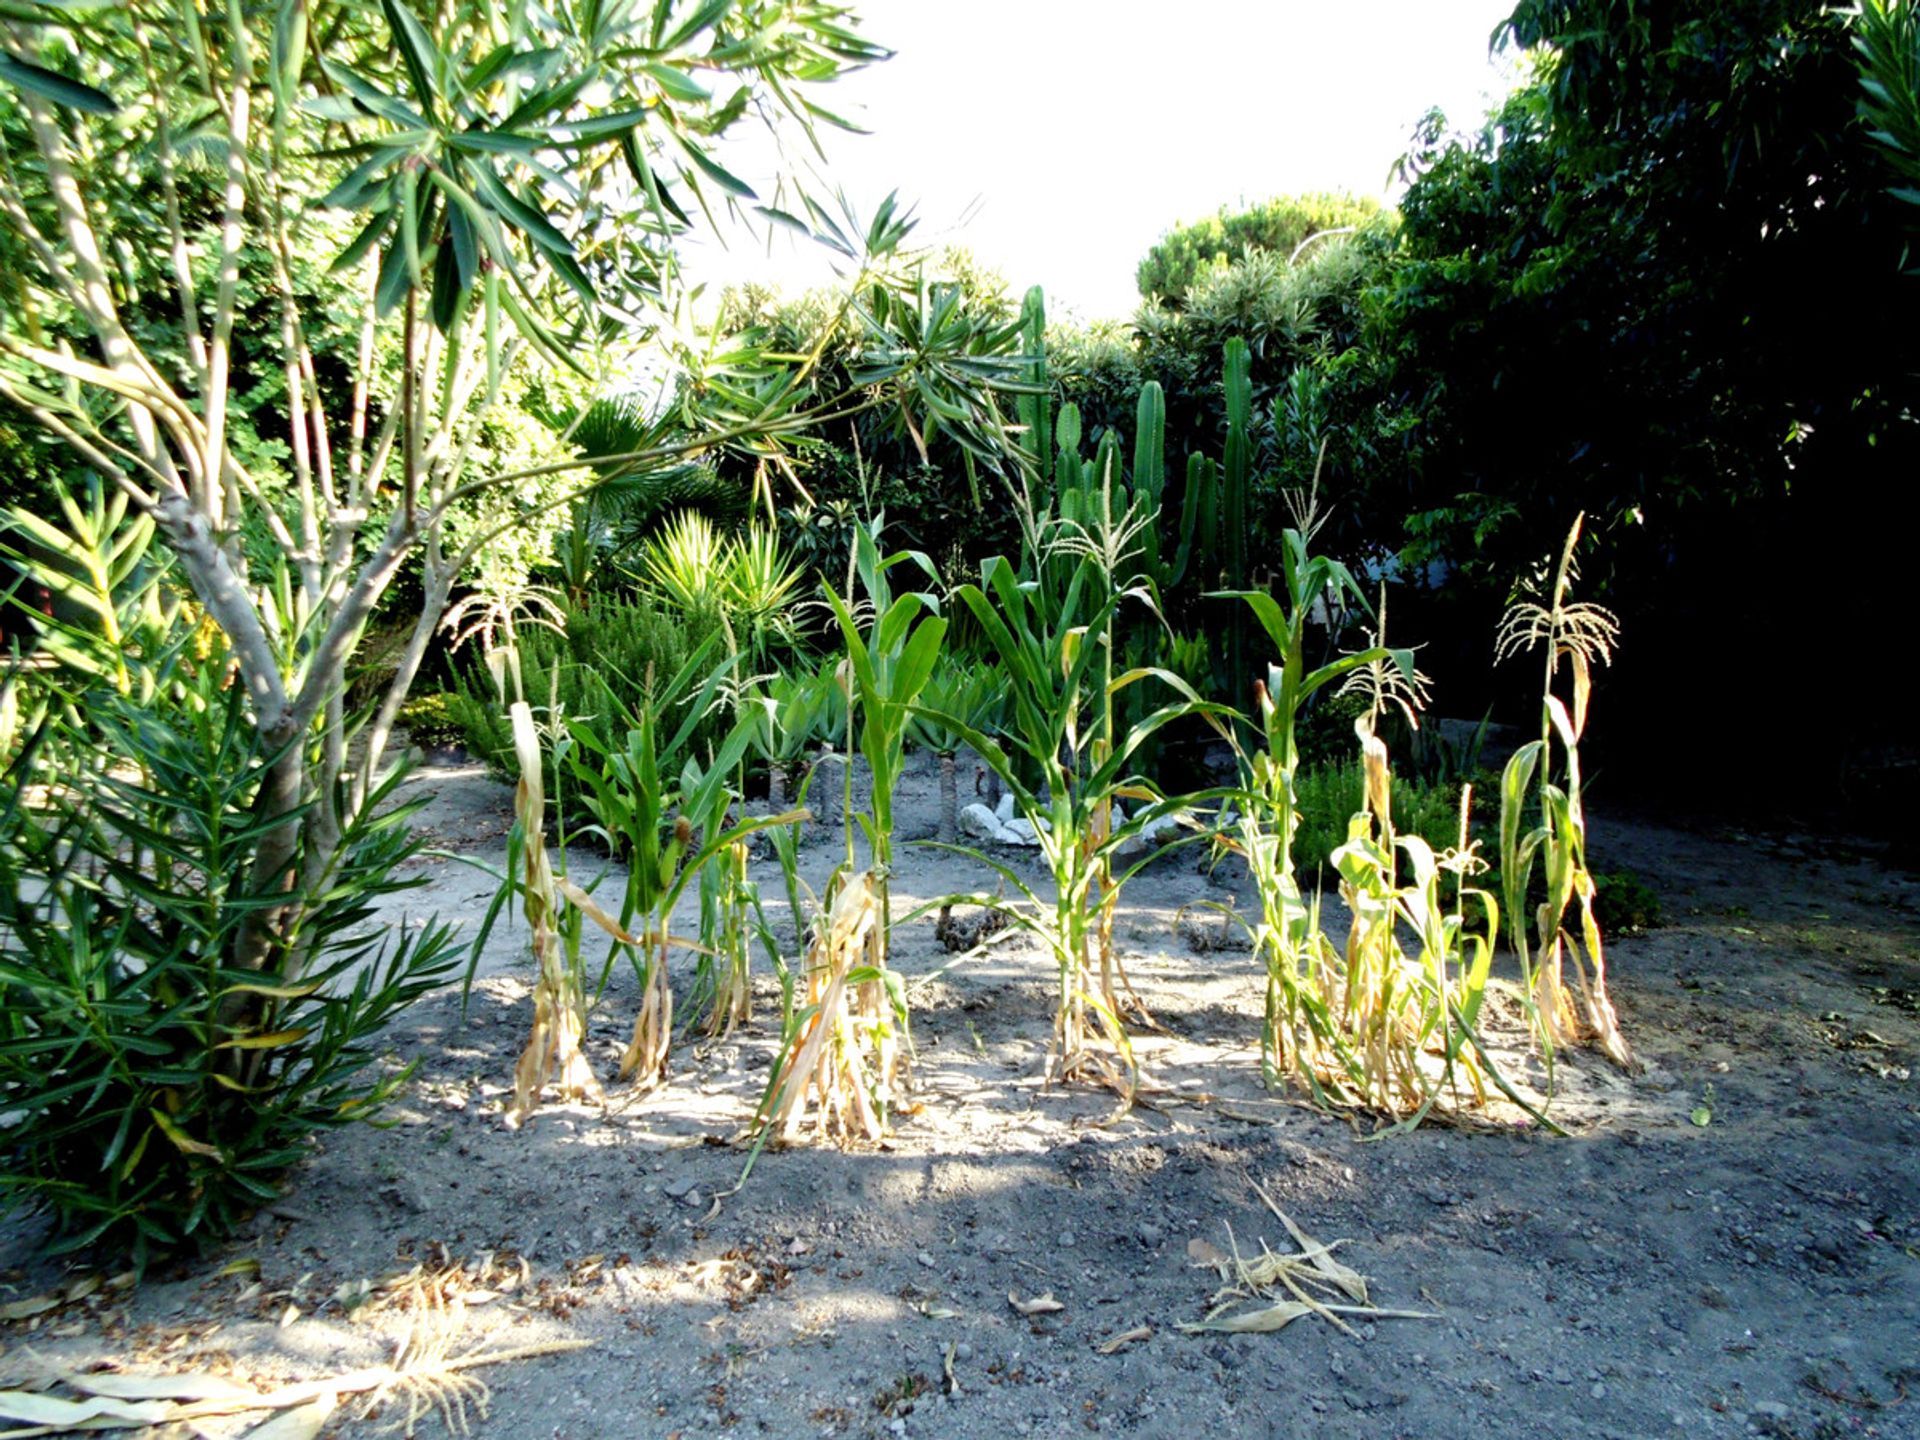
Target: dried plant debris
x,y
1270,1291
428,1376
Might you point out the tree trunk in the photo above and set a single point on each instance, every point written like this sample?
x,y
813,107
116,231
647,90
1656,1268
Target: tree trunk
x,y
949,801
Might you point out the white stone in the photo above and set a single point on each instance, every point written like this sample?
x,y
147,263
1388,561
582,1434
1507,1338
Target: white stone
x,y
1005,812
1019,832
979,822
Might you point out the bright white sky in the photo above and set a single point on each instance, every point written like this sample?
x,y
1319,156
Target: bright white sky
x,y
1058,139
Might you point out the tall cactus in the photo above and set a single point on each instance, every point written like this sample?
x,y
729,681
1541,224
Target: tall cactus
x,y
1150,470
1238,387
1036,409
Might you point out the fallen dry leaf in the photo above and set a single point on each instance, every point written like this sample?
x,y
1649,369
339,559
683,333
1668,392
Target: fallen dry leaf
x,y
1039,1305
303,1423
1126,1338
123,1386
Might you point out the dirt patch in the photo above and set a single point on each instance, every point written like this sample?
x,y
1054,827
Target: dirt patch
x,y
1651,1276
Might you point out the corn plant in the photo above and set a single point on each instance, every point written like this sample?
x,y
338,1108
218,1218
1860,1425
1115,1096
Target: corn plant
x,y
642,793
1057,674
1399,1032
1287,935
888,662
553,1051
1580,635
722,994
841,1059
969,692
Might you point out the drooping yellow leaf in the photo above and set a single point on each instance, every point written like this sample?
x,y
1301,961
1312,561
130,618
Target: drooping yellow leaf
x,y
269,1041
182,1141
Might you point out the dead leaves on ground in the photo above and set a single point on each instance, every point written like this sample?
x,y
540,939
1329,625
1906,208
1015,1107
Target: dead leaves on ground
x,y
427,1376
1272,1290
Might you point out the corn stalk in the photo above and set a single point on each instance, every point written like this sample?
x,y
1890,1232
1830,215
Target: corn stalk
x,y
1579,635
842,1060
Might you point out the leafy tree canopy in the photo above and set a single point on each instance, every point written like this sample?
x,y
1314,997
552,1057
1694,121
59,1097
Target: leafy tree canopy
x,y
1179,261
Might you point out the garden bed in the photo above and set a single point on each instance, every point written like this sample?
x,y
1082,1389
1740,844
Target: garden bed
x,y
1651,1275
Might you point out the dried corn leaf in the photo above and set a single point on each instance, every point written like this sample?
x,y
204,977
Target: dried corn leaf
x,y
589,907
1126,1338
26,1309
1254,1322
302,1423
120,1386
1039,1305
57,1414
1348,1281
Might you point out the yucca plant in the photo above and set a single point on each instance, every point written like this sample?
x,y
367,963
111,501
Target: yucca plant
x,y
971,693
749,581
1578,635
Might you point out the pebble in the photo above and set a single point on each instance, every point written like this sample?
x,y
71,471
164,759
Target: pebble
x,y
925,1259
1599,1391
1767,1410
963,1351
898,1427
1151,1236
1067,1238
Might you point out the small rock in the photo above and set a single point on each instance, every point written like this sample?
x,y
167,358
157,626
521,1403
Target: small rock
x,y
1151,1236
1599,1391
925,1259
979,822
963,1351
1067,1238
898,1427
1767,1410
678,1187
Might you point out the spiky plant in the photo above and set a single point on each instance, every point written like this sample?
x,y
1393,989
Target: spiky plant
x,y
1579,635
970,693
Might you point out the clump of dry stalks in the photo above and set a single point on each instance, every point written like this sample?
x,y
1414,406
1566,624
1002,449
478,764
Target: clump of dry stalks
x,y
553,1052
1272,1290
842,1060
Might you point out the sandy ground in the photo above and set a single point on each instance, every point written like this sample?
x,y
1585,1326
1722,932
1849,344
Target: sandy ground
x,y
1647,1277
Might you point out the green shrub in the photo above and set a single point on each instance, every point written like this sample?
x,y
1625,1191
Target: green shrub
x,y
430,719
152,1089
631,644
1624,903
